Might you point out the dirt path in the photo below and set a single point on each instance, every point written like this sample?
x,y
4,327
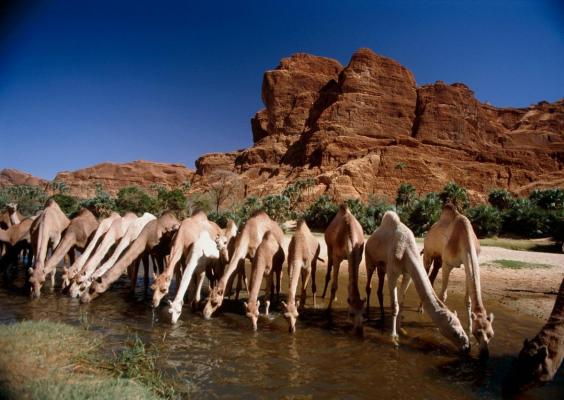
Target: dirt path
x,y
530,291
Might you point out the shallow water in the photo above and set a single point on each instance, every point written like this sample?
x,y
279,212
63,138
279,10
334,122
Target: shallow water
x,y
223,358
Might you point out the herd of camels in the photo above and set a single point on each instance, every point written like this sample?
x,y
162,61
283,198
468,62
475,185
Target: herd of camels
x,y
197,248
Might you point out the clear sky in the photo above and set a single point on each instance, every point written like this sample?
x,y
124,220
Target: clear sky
x,y
83,82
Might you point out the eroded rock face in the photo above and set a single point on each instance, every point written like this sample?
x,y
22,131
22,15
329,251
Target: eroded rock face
x,y
10,177
363,129
113,176
366,128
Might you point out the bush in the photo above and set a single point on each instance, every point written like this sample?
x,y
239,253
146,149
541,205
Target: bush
x,y
223,216
171,200
69,205
135,200
548,199
426,211
277,206
454,194
30,199
526,219
101,204
320,213
486,220
501,199
406,196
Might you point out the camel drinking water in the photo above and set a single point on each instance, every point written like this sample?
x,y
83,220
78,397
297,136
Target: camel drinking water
x,y
392,247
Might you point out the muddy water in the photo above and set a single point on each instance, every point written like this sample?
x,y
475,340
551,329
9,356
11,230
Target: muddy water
x,y
223,358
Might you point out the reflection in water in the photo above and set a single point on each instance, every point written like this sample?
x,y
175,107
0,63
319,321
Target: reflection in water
x,y
224,357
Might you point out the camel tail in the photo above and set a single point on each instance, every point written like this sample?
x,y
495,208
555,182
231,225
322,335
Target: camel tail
x,y
422,251
320,259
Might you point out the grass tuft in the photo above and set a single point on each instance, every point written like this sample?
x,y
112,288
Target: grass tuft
x,y
512,264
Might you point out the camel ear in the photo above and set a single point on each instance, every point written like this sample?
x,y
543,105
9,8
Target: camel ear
x,y
456,314
298,304
491,317
284,304
30,270
246,305
169,302
258,303
473,315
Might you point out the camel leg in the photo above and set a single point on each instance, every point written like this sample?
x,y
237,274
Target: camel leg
x,y
239,283
427,263
468,305
328,273
437,263
405,281
370,267
313,285
446,274
381,276
134,273
392,285
306,273
268,292
335,284
53,279
199,282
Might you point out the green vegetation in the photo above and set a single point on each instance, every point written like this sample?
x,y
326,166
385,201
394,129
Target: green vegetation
x,y
542,245
512,264
49,360
540,215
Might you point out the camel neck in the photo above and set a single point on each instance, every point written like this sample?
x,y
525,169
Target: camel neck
x,y
472,270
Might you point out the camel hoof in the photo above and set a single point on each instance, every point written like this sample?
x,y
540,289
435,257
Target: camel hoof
x,y
395,341
403,332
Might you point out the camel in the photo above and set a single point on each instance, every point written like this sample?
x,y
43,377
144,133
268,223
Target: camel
x,y
226,246
267,261
133,231
155,239
541,356
345,241
303,254
46,232
17,239
246,244
392,246
113,235
187,234
462,247
76,236
70,273
14,214
202,253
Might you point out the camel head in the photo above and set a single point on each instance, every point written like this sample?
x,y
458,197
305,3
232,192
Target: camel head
x,y
532,367
68,275
174,309
454,331
74,290
483,331
12,207
356,312
222,242
291,314
214,301
160,288
252,311
37,279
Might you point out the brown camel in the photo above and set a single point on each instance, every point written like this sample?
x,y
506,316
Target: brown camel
x,y
13,214
392,248
303,254
345,241
76,236
226,246
462,247
46,231
246,245
111,238
187,234
69,274
17,239
267,261
155,239
541,356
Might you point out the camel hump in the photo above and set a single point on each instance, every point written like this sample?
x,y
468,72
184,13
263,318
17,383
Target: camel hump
x,y
343,207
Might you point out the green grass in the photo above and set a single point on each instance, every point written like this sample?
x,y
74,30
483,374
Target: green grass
x,y
49,360
512,264
541,245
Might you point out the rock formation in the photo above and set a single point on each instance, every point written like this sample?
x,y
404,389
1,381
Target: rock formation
x,y
363,129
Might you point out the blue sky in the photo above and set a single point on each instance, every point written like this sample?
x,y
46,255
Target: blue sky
x,y
91,81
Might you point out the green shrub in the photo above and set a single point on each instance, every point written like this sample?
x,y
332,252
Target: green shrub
x,y
320,213
223,216
486,220
102,204
454,194
548,199
69,205
406,196
250,206
171,200
526,219
501,199
30,199
426,211
277,206
135,200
